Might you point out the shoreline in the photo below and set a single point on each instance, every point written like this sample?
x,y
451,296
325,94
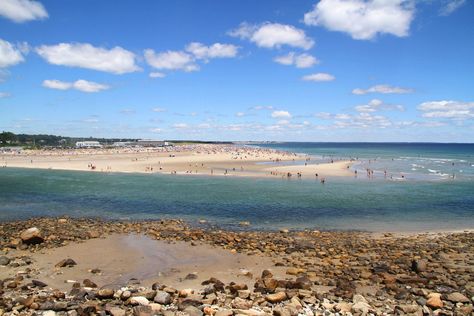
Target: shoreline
x,y
211,160
168,267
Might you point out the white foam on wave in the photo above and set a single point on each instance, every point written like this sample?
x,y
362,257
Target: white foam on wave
x,y
433,171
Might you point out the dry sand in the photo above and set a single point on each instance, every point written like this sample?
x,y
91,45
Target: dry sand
x,y
201,160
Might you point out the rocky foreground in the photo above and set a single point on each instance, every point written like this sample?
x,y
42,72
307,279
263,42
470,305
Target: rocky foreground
x,y
341,273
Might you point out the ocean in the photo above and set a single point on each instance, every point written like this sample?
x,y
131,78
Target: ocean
x,y
435,193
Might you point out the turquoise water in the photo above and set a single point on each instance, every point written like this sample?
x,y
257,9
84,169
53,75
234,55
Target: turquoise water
x,y
418,204
415,161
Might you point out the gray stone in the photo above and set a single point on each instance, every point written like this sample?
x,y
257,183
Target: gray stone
x,y
4,261
192,311
162,297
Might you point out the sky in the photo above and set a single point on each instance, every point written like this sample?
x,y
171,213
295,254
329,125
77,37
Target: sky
x,y
329,70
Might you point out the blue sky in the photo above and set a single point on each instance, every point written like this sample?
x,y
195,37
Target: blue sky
x,y
330,70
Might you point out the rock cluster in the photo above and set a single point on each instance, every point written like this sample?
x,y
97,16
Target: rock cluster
x,y
343,273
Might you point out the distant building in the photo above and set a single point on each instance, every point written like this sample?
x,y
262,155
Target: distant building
x,y
152,143
124,144
88,144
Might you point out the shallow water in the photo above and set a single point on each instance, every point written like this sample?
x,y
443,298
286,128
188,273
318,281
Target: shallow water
x,y
342,203
413,161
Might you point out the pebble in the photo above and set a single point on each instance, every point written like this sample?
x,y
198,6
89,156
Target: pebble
x,y
139,300
66,263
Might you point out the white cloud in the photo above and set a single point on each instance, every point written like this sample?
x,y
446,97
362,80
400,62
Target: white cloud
x,y
300,61
171,60
156,130
451,6
382,88
273,35
157,74
10,54
240,114
323,115
447,109
283,122
22,10
376,105
342,116
363,19
4,95
56,84
180,125
217,50
281,114
81,85
159,110
262,107
319,77
116,60
89,86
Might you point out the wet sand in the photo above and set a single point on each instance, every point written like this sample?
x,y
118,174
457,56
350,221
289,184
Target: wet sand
x,y
123,257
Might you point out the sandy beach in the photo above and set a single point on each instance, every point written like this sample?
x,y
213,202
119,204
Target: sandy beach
x,y
218,160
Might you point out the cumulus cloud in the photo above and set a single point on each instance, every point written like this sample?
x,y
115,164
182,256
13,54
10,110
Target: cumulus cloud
x,y
157,74
299,60
10,54
273,35
80,85
116,60
4,95
319,77
450,6
155,130
377,105
447,109
171,60
240,114
363,19
217,50
382,88
21,11
281,114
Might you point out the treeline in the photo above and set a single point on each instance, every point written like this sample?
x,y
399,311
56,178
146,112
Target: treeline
x,y
8,139
42,140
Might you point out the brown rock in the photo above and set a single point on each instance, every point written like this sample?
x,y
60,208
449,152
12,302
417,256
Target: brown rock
x,y
241,303
457,297
419,265
294,271
89,283
434,301
105,293
276,298
66,263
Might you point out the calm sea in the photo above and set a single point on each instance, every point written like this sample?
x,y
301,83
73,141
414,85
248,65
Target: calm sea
x,y
429,199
